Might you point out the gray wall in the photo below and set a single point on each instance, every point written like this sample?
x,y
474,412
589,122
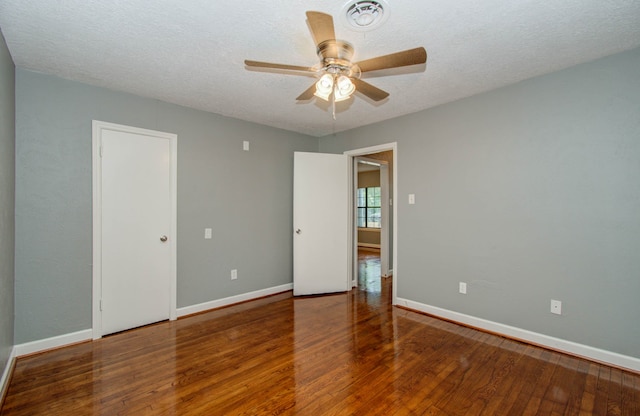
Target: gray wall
x,y
7,200
527,193
245,197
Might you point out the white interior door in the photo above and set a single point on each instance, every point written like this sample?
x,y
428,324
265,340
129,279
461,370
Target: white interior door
x,y
137,232
321,223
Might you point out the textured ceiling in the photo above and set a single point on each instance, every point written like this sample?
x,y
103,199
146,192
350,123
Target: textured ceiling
x,y
191,52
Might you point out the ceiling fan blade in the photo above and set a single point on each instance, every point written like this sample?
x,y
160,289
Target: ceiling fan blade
x,y
258,64
375,93
394,60
308,93
321,25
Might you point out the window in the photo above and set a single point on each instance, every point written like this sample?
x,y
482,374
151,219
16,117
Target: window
x,y
369,211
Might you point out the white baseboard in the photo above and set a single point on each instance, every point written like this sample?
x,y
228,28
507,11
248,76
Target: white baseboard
x,y
592,353
201,307
6,374
53,342
87,334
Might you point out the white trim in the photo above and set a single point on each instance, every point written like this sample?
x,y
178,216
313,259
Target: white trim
x,y
87,334
586,351
384,231
97,127
6,374
96,265
363,152
218,303
53,342
352,216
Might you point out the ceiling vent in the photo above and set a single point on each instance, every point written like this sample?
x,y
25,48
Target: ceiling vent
x,y
365,15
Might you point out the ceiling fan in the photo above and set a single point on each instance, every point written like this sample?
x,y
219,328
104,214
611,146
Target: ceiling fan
x,y
338,76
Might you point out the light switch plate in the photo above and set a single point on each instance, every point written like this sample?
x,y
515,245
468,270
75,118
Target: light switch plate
x,y
207,233
245,145
412,199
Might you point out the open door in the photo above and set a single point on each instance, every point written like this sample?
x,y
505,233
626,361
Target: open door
x,y
321,209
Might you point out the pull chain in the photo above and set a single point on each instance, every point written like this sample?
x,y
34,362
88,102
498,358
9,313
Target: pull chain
x,y
333,96
333,102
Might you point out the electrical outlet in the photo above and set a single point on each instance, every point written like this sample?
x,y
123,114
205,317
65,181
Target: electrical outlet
x,y
463,288
234,274
556,307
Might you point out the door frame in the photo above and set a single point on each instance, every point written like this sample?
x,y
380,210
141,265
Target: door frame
x,y
97,128
353,243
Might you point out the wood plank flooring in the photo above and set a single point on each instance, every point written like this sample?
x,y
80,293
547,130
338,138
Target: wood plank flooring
x,y
344,354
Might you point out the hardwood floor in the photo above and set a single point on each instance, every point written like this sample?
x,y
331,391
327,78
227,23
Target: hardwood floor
x,y
341,354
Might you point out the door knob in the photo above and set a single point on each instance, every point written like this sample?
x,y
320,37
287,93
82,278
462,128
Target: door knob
x,y
298,231
163,238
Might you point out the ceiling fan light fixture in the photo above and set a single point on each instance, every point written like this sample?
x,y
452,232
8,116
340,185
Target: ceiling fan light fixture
x,y
324,87
339,97
344,88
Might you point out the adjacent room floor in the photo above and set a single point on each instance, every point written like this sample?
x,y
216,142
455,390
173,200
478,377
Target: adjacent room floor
x,y
342,354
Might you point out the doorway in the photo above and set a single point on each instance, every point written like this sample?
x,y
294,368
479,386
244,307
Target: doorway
x,y
371,182
364,260
134,227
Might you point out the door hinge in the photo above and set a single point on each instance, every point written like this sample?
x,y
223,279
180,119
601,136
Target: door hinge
x,y
100,304
101,150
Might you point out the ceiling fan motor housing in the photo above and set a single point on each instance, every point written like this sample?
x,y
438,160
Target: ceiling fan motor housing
x,y
336,57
